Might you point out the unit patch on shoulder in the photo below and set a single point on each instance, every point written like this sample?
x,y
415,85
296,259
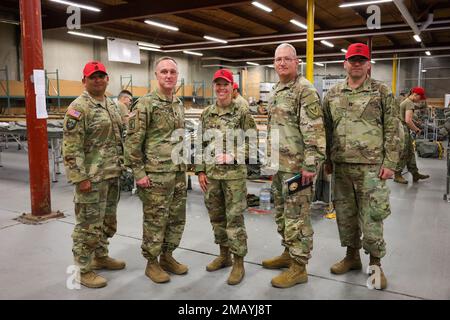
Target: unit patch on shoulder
x,y
71,123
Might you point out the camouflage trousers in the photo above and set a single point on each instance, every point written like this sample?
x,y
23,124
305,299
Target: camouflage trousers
x,y
226,201
293,218
361,201
408,156
95,214
164,207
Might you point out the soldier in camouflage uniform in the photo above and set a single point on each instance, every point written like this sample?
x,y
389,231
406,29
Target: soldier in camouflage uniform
x,y
295,111
238,99
161,181
93,151
408,156
223,177
363,146
124,102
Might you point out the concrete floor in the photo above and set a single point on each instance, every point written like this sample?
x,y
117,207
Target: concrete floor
x,y
34,258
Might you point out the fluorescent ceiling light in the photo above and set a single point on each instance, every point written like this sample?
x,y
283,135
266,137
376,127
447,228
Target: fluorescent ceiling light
x,y
319,64
328,44
161,25
270,66
193,53
150,49
372,61
17,23
299,24
428,53
362,3
82,6
146,44
417,38
261,6
423,70
215,39
253,63
86,35
344,50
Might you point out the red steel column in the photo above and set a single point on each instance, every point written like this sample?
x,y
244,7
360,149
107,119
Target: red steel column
x,y
31,31
369,44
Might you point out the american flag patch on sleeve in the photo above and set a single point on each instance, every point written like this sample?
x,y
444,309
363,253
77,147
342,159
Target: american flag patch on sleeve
x,y
74,113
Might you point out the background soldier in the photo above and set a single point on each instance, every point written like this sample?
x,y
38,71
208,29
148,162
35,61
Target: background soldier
x,y
238,99
363,144
294,110
124,102
224,180
408,156
161,182
92,148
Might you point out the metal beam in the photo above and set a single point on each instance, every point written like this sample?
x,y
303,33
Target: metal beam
x,y
215,24
141,9
30,22
256,20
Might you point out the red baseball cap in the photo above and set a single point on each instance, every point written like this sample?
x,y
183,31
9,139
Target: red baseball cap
x,y
235,86
357,49
93,66
224,74
420,91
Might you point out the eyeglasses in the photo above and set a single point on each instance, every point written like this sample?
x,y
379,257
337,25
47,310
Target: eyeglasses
x,y
360,60
285,59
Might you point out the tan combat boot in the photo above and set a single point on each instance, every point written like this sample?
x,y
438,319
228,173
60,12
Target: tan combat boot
x,y
222,261
154,272
92,280
296,274
169,264
351,261
107,263
282,261
383,280
399,178
419,176
238,271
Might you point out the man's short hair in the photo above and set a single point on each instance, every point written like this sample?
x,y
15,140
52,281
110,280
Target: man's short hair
x,y
165,58
287,45
125,92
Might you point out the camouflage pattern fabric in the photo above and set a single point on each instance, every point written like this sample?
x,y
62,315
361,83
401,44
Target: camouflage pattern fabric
x,y
361,124
407,155
148,146
223,119
293,218
95,214
226,202
92,140
361,201
241,102
164,205
294,110
124,112
148,149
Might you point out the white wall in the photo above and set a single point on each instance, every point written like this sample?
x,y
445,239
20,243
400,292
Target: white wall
x,y
8,51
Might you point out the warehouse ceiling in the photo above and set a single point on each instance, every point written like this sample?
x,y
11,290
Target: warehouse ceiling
x,y
253,34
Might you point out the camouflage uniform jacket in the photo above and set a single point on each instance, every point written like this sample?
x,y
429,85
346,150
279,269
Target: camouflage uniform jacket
x,y
232,117
362,125
92,140
241,101
148,145
294,110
